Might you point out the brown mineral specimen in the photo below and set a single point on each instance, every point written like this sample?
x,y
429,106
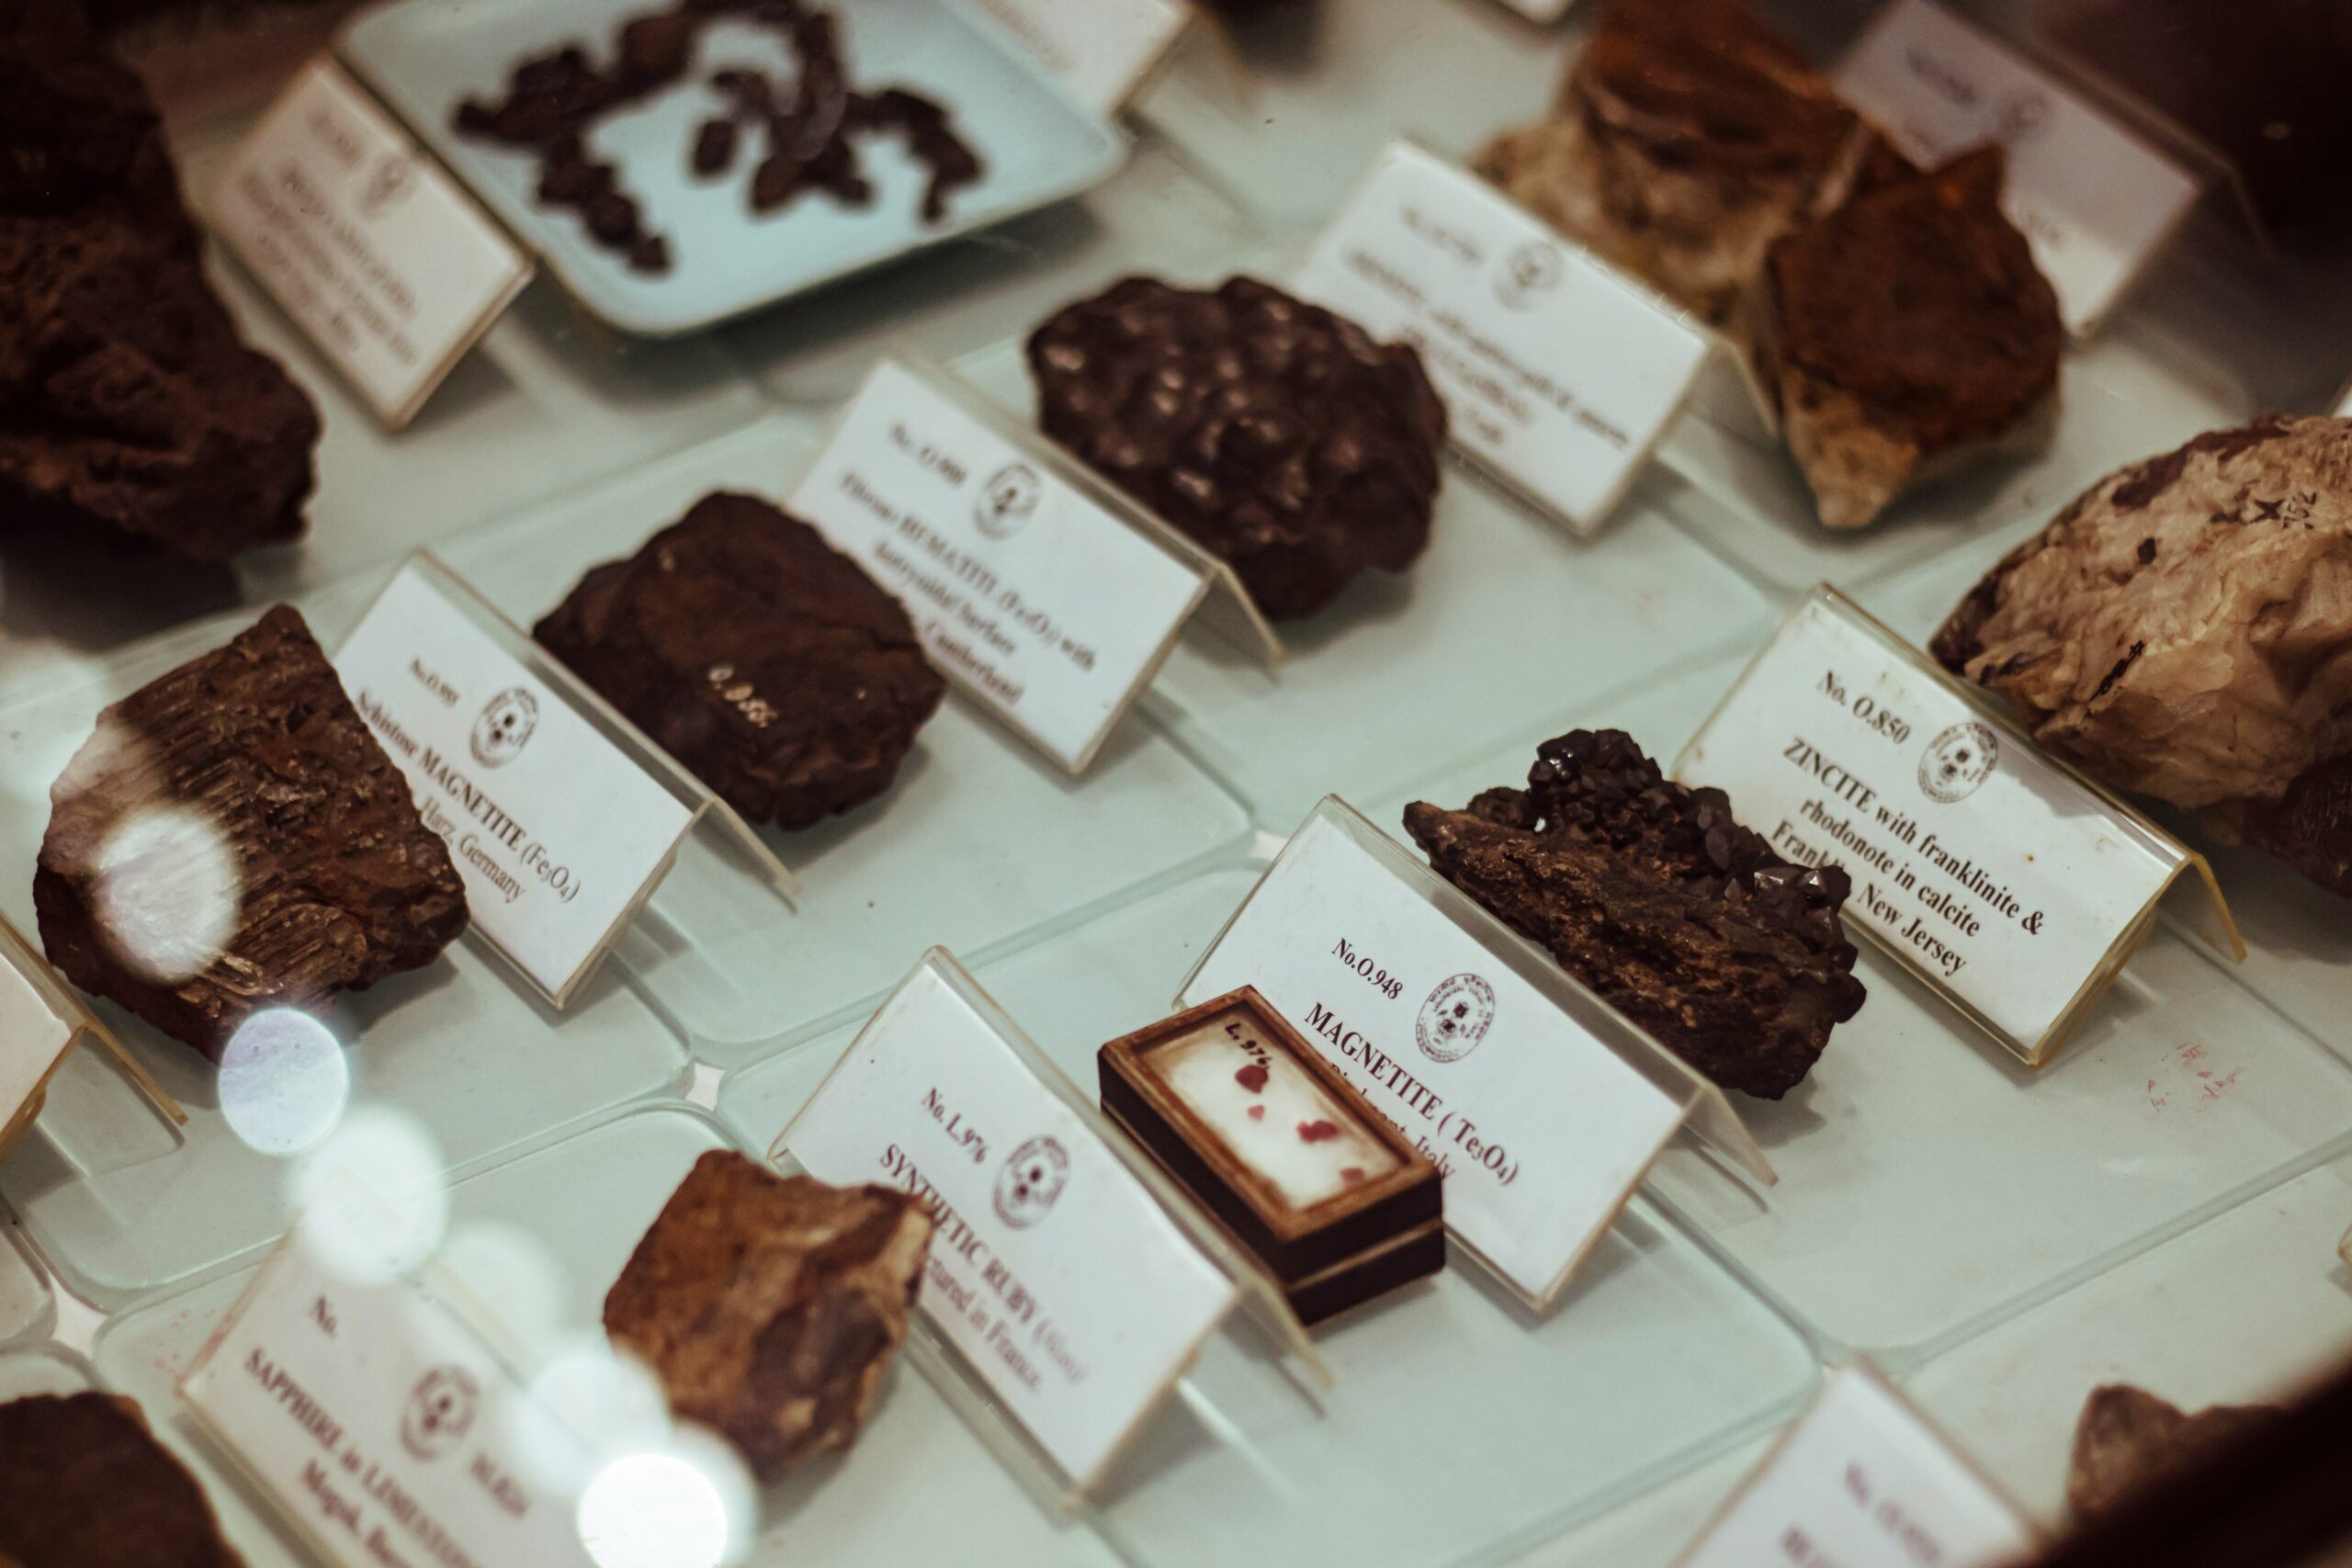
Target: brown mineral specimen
x,y
82,1484
2128,1439
768,1305
1906,335
127,403
758,656
1281,437
232,839
1688,139
2184,630
1653,896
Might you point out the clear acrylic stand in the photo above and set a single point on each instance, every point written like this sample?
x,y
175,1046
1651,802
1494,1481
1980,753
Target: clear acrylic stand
x,y
79,1026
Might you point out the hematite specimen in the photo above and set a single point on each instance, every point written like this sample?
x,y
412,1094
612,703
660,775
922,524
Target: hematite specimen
x,y
83,1484
242,791
758,656
127,402
1279,436
2183,630
2127,1439
1906,333
1655,898
768,1305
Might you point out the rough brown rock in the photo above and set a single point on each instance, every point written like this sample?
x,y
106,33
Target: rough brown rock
x,y
1906,334
127,402
333,879
2184,630
1653,896
1688,137
1280,436
2128,1439
758,656
769,1305
83,1484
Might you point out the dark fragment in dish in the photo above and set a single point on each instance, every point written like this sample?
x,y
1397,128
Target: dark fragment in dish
x,y
241,794
1281,437
128,405
812,131
84,1485
758,656
1657,898
2127,1439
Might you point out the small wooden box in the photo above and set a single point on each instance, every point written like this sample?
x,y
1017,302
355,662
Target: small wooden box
x,y
1334,1201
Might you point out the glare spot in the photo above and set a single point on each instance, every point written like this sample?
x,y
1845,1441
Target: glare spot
x,y
385,1153
656,1510
168,892
284,1082
589,1407
511,1272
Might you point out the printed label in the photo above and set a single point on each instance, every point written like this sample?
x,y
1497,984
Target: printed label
x,y
1048,609
375,252
2094,199
1057,1276
1100,49
1557,373
557,831
1985,866
1861,1482
1542,1131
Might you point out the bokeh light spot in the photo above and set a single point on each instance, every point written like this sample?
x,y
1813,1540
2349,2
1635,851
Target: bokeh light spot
x,y
284,1081
168,892
654,1510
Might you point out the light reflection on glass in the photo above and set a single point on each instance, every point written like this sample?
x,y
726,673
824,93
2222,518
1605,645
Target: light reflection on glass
x,y
168,892
284,1081
388,1154
658,1510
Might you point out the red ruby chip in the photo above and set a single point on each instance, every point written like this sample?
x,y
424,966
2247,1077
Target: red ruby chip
x,y
1251,1078
1316,1132
1256,1113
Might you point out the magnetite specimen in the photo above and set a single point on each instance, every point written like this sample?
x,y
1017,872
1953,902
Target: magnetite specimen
x,y
2184,630
758,656
83,1484
1906,335
241,794
128,406
1653,896
1687,139
2128,1439
769,1305
1281,438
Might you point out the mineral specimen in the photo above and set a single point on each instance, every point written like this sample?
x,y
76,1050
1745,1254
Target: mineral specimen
x,y
758,656
232,839
2128,1439
82,1484
769,1305
1653,896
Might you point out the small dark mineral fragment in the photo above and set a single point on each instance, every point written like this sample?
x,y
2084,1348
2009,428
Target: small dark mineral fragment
x,y
758,656
1653,896
1279,436
84,1485
2127,1439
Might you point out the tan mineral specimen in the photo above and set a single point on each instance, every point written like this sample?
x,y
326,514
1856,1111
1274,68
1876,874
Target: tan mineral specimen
x,y
2184,630
769,1305
2128,1439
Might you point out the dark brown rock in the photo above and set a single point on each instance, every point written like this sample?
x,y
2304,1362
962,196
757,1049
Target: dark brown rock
x,y
83,1484
758,656
232,839
1906,335
2127,1439
769,1305
127,402
1281,437
1653,896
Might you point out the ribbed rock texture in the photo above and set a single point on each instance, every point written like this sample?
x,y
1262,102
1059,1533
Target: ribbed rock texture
x,y
769,1305
232,838
83,1484
1653,896
2127,1439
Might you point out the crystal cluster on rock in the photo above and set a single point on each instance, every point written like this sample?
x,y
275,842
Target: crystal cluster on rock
x,y
232,838
1281,438
84,1485
129,408
2127,1439
1657,898
2184,630
769,1305
758,656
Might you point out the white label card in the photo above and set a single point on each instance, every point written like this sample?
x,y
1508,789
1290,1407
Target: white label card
x,y
378,1421
1990,869
1558,374
1053,1272
1542,1131
377,253
1048,609
1861,1482
557,831
1101,50
2095,199
32,1037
